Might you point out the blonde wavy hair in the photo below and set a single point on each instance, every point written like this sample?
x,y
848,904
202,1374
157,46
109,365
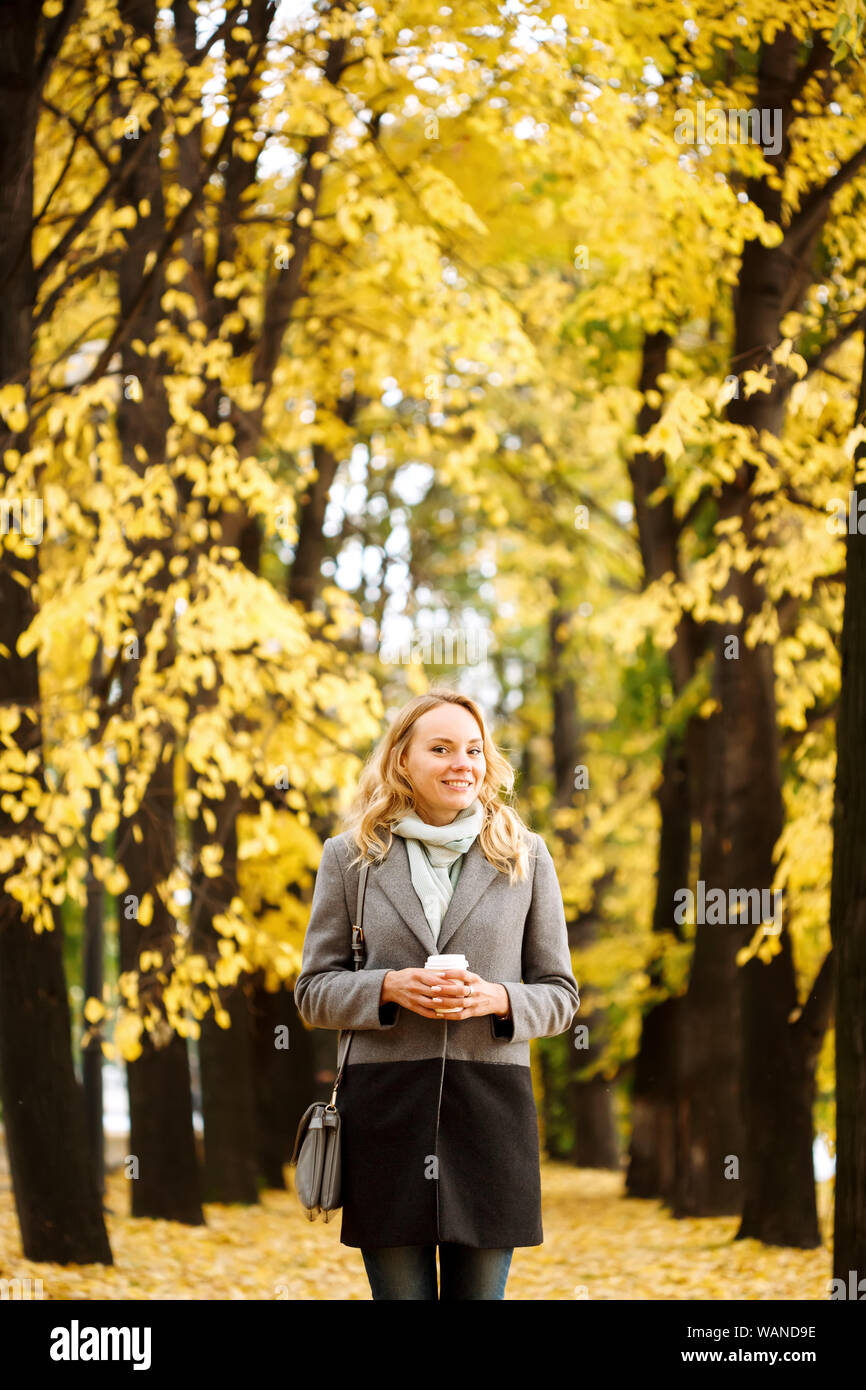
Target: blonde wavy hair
x,y
385,792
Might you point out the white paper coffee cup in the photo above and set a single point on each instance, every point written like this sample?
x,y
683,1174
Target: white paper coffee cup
x,y
446,962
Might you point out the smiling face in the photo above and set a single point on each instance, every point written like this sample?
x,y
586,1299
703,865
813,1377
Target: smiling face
x,y
445,762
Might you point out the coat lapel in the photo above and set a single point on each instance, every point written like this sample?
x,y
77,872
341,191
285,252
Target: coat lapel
x,y
395,879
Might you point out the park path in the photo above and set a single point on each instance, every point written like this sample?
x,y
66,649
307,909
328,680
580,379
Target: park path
x,y
598,1245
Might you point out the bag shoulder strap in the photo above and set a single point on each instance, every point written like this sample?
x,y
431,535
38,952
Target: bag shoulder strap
x,y
358,953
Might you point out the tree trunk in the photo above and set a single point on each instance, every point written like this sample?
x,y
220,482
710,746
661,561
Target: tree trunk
x,y
58,1203
589,1102
708,1117
743,812
162,1137
166,1182
848,903
247,1099
591,1108
225,1053
241,1127
93,975
652,1153
305,571
284,1079
777,1174
554,1091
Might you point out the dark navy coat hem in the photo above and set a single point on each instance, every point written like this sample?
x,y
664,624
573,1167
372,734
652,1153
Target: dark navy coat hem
x,y
415,1173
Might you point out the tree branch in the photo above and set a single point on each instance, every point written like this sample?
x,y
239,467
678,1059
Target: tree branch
x,y
817,360
811,1025
54,39
81,132
814,207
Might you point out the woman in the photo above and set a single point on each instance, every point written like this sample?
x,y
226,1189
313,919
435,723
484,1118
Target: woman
x,y
438,1120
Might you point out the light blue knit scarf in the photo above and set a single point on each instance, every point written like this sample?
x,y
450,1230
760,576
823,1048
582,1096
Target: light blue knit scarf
x,y
434,850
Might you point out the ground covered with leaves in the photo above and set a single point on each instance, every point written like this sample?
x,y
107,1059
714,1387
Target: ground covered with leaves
x,y
598,1245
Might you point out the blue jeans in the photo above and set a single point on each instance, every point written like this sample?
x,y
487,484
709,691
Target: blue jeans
x,y
409,1271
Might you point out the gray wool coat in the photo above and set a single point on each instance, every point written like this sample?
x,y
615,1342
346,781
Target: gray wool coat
x,y
438,1120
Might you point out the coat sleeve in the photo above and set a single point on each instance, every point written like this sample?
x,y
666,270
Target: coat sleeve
x,y
546,1001
330,992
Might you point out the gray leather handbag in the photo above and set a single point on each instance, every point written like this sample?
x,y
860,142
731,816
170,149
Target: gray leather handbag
x,y
316,1155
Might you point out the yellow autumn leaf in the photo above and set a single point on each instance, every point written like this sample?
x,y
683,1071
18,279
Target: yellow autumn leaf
x,y
13,407
127,1032
756,381
94,1010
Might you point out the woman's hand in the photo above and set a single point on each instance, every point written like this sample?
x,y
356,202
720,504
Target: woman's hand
x,y
421,991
